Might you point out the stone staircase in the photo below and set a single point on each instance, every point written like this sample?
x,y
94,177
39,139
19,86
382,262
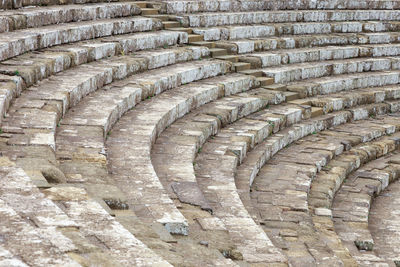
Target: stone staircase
x,y
199,133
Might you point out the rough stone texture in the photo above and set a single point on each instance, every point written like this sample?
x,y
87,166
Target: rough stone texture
x,y
130,145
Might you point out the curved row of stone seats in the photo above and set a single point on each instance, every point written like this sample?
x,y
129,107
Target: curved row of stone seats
x,y
155,82
342,83
177,169
213,19
383,217
280,192
304,55
242,46
18,42
37,229
43,16
351,205
296,28
25,70
190,6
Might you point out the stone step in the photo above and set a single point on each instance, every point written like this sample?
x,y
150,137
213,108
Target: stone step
x,y
21,41
203,43
231,58
306,41
141,4
241,66
184,73
249,168
269,30
182,29
265,81
163,18
217,52
149,11
214,19
256,73
179,7
195,38
170,24
43,16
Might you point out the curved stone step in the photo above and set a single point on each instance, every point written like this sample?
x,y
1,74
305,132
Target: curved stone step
x,y
382,216
43,16
18,42
178,7
213,19
242,46
298,28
